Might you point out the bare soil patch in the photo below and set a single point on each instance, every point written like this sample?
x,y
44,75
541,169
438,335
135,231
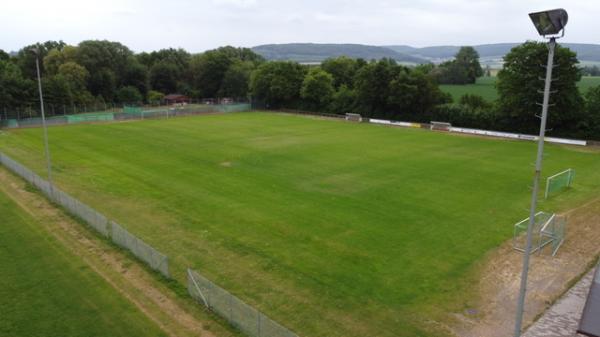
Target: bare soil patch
x,y
494,313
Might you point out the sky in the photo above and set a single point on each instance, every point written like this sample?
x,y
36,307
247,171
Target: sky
x,y
198,25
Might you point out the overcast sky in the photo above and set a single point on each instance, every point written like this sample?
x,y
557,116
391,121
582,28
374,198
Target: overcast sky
x,y
198,25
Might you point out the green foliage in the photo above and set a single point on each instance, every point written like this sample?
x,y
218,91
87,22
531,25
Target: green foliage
x,y
343,70
372,86
590,71
519,85
236,79
385,89
333,218
210,68
317,89
26,57
155,96
129,94
164,77
107,63
4,55
464,69
14,89
277,84
475,102
592,110
343,101
47,290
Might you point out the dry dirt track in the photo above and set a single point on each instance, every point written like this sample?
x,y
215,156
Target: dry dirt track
x,y
549,277
174,315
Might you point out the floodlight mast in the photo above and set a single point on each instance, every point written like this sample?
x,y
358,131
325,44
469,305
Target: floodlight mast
x,y
547,23
46,147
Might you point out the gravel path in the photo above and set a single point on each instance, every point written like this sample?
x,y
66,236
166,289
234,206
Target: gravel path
x,y
562,319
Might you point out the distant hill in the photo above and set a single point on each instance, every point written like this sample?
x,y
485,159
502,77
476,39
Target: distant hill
x,y
315,52
491,53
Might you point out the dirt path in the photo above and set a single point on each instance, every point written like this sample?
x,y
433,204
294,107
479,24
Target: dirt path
x,y
549,277
172,314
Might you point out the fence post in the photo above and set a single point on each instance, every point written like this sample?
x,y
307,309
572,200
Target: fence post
x,y
230,308
258,323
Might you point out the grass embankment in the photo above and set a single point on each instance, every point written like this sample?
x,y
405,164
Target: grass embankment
x,y
46,290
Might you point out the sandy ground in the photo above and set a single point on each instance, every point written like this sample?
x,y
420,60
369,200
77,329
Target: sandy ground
x,y
549,278
562,319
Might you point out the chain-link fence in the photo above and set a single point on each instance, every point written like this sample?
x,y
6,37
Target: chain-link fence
x,y
239,314
127,113
92,218
139,248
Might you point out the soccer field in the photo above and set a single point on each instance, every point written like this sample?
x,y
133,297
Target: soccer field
x,y
331,228
46,290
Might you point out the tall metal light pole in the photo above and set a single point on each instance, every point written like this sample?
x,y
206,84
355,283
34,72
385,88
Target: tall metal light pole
x,y
46,148
547,23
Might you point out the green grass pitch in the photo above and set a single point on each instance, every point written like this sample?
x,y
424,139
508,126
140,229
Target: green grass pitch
x,y
332,228
46,290
486,87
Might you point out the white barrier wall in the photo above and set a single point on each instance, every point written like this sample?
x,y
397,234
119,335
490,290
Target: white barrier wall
x,y
486,133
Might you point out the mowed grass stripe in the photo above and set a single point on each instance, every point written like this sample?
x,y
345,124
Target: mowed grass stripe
x,y
45,290
333,228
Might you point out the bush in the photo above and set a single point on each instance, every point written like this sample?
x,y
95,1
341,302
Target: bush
x,y
129,94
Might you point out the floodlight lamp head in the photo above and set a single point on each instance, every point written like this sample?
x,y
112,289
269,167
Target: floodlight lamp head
x,y
550,22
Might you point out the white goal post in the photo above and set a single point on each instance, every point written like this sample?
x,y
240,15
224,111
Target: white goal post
x,y
559,181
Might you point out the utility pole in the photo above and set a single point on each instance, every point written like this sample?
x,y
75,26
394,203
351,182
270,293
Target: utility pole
x,y
48,161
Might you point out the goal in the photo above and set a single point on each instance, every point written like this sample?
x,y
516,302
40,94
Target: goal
x,y
559,182
548,230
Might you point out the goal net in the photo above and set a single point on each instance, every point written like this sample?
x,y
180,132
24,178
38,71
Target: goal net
x,y
548,229
559,182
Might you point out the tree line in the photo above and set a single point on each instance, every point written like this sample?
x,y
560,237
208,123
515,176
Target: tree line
x,y
96,72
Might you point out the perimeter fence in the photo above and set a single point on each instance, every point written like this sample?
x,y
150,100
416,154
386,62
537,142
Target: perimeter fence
x,y
96,220
126,113
239,314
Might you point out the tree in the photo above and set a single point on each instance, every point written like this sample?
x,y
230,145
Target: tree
x,y
277,84
209,69
155,96
464,69
342,69
474,102
236,79
519,85
317,89
343,101
76,77
26,57
57,57
136,75
372,86
592,109
4,55
412,92
15,90
164,77
129,94
107,63
467,58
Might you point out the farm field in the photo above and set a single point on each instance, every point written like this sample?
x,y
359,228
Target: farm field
x,y
331,228
485,87
46,290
